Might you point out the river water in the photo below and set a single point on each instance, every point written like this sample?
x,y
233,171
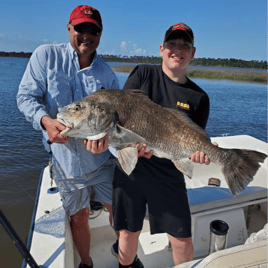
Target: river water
x,y
236,108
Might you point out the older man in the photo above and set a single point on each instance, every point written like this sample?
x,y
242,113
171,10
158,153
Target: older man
x,y
57,75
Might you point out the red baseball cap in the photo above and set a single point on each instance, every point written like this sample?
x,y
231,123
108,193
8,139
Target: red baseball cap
x,y
85,13
179,28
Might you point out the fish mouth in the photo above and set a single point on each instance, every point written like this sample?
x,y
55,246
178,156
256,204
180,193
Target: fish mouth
x,y
68,127
96,136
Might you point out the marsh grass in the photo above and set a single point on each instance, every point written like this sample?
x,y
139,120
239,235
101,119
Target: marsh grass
x,y
246,76
235,75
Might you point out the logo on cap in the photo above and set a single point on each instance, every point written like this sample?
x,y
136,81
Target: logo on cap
x,y
180,26
88,12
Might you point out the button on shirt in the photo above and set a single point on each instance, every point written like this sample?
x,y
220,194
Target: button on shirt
x,y
52,80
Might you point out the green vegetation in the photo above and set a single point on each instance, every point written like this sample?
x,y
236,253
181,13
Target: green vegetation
x,y
15,54
236,75
245,76
232,63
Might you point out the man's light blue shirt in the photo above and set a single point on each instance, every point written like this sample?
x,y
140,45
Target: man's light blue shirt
x,y
53,79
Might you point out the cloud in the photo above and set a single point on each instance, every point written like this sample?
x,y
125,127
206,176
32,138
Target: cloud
x,y
139,51
106,52
123,48
123,44
129,49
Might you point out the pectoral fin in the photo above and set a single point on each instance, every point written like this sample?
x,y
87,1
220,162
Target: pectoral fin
x,y
185,166
128,158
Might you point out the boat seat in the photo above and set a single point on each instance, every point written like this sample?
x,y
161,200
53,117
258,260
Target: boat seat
x,y
253,254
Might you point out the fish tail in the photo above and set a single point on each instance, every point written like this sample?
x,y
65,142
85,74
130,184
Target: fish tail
x,y
240,167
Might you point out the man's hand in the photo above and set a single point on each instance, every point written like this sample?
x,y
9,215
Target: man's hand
x,y
54,128
200,157
141,151
97,146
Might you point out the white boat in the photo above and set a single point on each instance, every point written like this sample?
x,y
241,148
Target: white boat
x,y
51,243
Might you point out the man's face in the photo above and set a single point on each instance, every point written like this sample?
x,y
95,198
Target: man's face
x,y
177,53
84,38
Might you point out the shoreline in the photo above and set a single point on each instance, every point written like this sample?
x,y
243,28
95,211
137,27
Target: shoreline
x,y
216,74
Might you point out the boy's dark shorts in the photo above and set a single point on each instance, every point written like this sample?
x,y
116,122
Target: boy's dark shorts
x,y
167,202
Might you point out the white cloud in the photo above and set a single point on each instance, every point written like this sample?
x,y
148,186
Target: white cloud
x,y
123,44
46,41
106,52
139,51
123,48
129,49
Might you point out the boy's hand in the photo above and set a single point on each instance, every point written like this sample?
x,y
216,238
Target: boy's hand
x,y
97,146
200,157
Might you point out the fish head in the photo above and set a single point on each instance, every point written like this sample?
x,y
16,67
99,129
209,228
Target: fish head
x,y
87,119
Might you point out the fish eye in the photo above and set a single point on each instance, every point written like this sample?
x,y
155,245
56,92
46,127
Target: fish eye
x,y
77,107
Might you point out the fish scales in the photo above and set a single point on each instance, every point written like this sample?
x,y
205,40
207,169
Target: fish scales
x,y
129,116
138,118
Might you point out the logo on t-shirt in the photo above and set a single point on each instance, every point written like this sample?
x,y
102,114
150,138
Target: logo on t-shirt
x,y
183,106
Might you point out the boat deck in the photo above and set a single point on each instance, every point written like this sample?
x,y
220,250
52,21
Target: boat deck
x,y
152,250
52,244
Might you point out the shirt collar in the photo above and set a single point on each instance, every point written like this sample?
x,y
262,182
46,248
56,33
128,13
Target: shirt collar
x,y
72,52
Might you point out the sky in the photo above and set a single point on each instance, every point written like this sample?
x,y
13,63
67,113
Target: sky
x,y
222,29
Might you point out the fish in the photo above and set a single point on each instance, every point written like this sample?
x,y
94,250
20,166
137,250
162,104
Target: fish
x,y
129,117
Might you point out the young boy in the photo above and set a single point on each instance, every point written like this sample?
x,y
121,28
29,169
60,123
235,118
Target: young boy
x,y
156,181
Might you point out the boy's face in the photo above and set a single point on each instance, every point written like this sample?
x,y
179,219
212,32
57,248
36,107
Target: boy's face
x,y
177,53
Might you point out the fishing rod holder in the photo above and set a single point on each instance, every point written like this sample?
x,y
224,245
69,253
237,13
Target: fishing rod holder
x,y
218,235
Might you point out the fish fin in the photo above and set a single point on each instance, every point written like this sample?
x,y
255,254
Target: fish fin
x,y
185,166
128,158
188,121
127,136
241,167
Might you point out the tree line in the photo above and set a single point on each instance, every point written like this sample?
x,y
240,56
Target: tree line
x,y
233,63
15,54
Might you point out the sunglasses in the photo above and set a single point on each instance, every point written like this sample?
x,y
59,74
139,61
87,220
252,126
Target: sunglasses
x,y
86,28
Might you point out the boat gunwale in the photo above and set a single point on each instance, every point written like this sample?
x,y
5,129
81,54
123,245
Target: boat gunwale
x,y
31,230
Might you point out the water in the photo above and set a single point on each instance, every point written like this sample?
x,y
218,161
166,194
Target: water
x,y
236,108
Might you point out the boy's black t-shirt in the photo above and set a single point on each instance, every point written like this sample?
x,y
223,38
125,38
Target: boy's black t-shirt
x,y
187,97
